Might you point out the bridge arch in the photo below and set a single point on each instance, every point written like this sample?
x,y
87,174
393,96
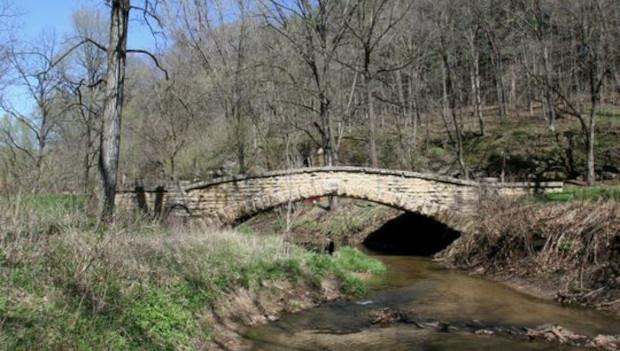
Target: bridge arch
x,y
225,200
229,211
229,199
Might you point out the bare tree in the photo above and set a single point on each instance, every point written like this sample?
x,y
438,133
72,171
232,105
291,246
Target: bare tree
x,y
5,16
472,36
222,52
536,18
595,59
489,14
85,77
315,34
36,74
370,25
166,123
445,24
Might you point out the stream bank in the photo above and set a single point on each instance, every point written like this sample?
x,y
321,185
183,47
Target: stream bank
x,y
568,252
234,313
420,298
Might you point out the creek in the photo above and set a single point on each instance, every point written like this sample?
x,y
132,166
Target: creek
x,y
419,285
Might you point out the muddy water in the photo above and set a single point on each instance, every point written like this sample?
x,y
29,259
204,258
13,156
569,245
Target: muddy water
x,y
423,287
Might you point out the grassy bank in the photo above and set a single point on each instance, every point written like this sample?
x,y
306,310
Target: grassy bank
x,y
594,193
570,248
69,285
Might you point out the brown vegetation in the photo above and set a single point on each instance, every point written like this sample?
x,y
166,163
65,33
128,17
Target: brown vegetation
x,y
572,248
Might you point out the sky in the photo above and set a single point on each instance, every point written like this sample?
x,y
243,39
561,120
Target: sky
x,y
36,17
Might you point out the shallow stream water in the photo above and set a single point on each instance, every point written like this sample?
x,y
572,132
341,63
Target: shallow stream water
x,y
421,286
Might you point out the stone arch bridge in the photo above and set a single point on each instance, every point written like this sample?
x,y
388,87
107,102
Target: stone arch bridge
x,y
226,200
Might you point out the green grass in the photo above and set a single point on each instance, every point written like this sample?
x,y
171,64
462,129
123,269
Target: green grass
x,y
351,259
138,286
612,114
584,194
345,263
53,203
160,319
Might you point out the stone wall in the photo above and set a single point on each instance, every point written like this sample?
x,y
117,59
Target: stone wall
x,y
226,200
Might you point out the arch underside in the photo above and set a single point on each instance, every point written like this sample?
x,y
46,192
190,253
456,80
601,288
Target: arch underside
x,y
246,212
255,206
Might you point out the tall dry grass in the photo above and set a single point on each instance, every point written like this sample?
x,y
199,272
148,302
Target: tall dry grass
x,y
574,246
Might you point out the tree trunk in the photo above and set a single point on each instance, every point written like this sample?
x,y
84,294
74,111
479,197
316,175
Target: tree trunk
x,y
499,86
401,121
594,99
451,100
548,82
590,140
374,162
496,57
513,88
413,113
415,110
328,139
240,136
112,110
528,83
331,160
445,109
86,160
475,82
459,144
576,87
